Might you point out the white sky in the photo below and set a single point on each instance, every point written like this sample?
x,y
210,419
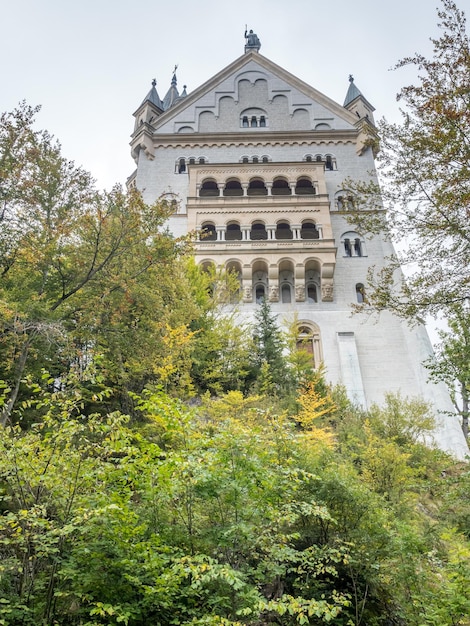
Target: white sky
x,y
90,63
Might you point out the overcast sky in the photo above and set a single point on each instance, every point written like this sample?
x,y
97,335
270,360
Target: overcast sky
x,y
90,63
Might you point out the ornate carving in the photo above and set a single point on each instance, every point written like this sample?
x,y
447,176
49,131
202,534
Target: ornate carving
x,y
299,293
327,292
274,293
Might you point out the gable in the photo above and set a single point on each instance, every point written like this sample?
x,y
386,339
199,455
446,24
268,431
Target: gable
x,y
255,95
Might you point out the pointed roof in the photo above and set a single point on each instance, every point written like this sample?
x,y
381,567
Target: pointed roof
x,y
172,94
153,96
353,92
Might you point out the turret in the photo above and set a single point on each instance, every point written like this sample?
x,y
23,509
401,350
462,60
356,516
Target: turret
x,y
150,109
364,111
357,104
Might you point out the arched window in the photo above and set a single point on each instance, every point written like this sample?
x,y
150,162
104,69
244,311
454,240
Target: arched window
x,y
283,230
258,231
257,188
354,245
360,293
308,340
260,293
304,187
344,200
245,121
254,121
309,230
312,296
308,158
286,294
262,121
202,160
233,232
209,188
181,166
265,159
281,187
233,188
208,232
329,162
255,159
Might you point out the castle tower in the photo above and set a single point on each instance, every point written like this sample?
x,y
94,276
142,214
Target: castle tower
x,y
257,159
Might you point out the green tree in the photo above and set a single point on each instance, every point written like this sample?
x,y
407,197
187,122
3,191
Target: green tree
x,y
269,363
451,364
424,166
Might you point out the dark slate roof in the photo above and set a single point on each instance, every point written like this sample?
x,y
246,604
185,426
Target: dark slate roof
x,y
153,96
172,95
353,92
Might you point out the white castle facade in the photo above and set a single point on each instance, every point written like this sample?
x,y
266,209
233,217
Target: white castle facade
x,y
256,160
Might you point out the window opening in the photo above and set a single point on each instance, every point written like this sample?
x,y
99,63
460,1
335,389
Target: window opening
x,y
309,231
281,188
262,121
245,121
254,121
209,188
257,188
312,294
258,232
259,294
286,294
304,187
181,166
208,233
360,293
347,247
233,232
283,231
357,247
233,188
329,163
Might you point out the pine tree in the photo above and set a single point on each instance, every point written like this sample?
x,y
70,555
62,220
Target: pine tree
x,y
269,363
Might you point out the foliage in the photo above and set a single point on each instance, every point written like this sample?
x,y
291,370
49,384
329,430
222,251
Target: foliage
x,y
269,363
224,514
424,167
451,364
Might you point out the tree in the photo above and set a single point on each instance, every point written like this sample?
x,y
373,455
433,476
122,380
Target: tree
x,y
270,366
83,273
424,165
451,364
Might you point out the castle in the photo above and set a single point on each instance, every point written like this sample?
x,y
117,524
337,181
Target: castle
x,y
255,162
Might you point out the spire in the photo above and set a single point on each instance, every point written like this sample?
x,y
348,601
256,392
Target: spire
x,y
353,92
172,94
153,96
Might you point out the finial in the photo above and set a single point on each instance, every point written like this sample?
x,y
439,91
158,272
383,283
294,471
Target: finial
x,y
154,83
351,78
